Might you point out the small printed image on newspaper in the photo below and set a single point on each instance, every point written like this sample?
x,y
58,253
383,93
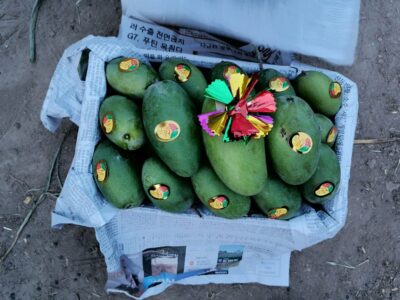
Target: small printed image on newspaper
x,y
150,271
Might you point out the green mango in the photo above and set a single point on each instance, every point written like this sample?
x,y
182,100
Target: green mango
x,y
323,185
121,122
117,177
223,69
187,75
275,82
328,130
218,198
130,76
278,200
166,190
241,167
171,125
294,141
322,93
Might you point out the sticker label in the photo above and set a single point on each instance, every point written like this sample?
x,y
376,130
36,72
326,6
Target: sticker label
x,y
218,202
335,89
324,189
301,143
101,170
331,135
182,72
230,70
279,84
276,213
129,65
159,191
108,122
167,131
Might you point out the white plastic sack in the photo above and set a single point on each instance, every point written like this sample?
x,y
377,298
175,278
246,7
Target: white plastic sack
x,y
132,240
326,29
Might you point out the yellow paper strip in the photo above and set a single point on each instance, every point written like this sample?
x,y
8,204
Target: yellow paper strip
x,y
217,122
238,84
263,128
235,83
245,83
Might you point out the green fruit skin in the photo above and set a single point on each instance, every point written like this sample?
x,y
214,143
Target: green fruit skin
x,y
132,84
167,100
277,194
194,86
217,72
328,170
293,115
241,167
128,132
181,194
122,187
313,87
263,83
325,124
207,185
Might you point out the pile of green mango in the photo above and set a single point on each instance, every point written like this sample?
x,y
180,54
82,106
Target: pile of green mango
x,y
153,147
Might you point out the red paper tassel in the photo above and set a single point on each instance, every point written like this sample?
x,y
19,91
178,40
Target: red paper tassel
x,y
240,108
264,102
242,127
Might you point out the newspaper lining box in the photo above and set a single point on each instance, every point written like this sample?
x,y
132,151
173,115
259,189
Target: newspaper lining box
x,y
195,250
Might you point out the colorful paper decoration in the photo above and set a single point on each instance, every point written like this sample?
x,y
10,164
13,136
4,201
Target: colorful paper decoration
x,y
239,116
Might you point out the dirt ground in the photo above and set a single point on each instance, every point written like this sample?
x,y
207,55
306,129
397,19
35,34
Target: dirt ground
x,y
67,264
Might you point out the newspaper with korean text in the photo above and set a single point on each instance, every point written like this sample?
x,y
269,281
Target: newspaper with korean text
x,y
152,36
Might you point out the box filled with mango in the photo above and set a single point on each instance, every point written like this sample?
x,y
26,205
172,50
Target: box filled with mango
x,y
178,136
196,152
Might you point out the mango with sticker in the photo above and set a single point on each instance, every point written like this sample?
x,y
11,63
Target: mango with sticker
x,y
328,129
275,82
224,70
278,200
294,141
217,197
240,165
324,184
116,176
170,123
322,93
165,189
130,76
187,75
121,122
